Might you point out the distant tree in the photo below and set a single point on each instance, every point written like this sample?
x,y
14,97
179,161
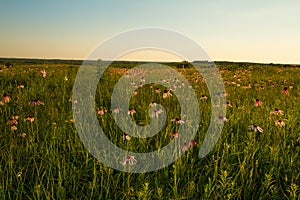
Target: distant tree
x,y
184,64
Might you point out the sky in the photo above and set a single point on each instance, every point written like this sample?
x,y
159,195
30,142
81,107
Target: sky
x,y
228,30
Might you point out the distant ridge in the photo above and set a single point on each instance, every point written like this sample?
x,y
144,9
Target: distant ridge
x,y
79,62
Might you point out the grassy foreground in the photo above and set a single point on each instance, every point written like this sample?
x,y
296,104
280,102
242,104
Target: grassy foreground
x,y
42,157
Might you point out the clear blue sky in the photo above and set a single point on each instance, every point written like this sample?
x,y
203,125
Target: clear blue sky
x,y
233,30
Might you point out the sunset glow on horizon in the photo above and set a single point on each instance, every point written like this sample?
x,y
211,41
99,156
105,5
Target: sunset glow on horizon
x,y
248,31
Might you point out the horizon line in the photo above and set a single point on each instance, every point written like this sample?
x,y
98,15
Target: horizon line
x,y
151,61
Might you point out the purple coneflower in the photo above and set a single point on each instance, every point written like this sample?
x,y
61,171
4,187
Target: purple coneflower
x,y
157,90
12,122
177,120
175,134
75,101
20,86
29,118
156,112
279,123
13,127
285,90
116,110
184,147
141,84
262,87
222,118
15,117
126,136
227,104
257,102
132,83
192,143
129,160
247,87
222,94
203,97
188,145
277,111
256,128
44,73
131,111
100,111
151,85
167,93
23,134
6,98
152,104
35,102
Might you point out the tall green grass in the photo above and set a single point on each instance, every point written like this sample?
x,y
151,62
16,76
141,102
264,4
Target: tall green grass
x,y
50,162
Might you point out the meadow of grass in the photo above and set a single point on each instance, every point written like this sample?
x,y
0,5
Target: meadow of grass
x,y
42,156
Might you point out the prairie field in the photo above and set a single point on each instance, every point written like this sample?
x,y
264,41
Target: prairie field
x,y
256,157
